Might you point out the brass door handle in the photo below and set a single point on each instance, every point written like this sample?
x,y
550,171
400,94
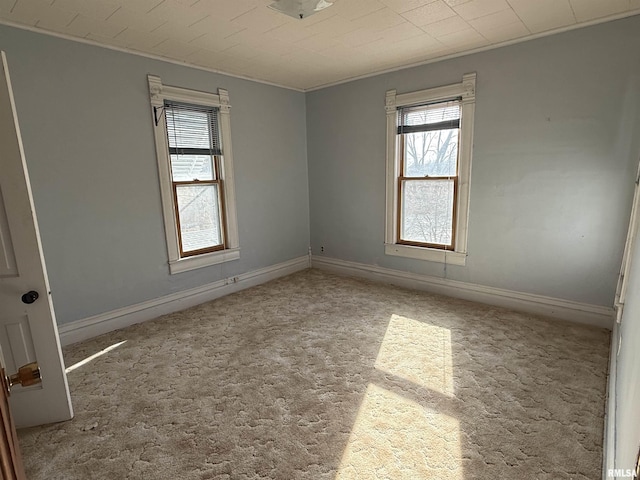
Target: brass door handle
x,y
27,375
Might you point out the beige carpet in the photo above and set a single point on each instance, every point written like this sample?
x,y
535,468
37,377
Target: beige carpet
x,y
316,376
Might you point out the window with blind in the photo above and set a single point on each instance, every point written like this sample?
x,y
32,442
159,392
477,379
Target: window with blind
x,y
193,142
194,154
428,178
429,139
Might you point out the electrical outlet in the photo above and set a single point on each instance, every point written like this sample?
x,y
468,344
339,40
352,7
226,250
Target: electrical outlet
x,y
322,249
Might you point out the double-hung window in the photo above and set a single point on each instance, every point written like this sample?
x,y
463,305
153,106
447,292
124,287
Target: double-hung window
x,y
194,155
193,144
429,140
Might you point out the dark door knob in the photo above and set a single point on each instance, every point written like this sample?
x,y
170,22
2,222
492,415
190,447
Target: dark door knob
x,y
30,297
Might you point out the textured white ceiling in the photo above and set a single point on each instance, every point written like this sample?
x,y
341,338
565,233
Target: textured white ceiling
x,y
350,39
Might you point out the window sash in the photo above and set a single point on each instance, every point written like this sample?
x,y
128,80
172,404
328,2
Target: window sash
x,y
404,139
221,217
402,181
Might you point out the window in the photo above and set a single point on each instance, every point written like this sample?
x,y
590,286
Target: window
x,y
194,155
193,145
429,140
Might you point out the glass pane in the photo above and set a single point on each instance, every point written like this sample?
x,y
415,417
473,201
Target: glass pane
x,y
199,216
431,153
427,211
186,168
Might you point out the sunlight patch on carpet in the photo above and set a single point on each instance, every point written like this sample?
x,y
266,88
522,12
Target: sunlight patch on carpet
x,y
394,437
93,357
418,352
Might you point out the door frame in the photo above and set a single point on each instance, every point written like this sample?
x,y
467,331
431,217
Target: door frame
x,y
11,466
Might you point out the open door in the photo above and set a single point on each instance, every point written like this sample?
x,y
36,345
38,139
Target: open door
x,y
28,330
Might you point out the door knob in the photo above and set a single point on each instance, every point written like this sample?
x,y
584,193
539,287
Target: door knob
x,y
30,297
27,375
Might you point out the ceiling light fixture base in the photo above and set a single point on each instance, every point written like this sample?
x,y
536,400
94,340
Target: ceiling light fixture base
x,y
299,9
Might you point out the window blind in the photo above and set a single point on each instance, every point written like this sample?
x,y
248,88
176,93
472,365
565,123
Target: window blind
x,y
192,129
430,117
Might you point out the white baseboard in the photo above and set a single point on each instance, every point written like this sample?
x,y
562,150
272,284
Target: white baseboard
x,y
123,317
526,302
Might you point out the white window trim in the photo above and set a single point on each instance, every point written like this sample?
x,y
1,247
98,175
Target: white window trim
x,y
467,91
158,94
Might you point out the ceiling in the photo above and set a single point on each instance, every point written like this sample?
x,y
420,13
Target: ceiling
x,y
352,38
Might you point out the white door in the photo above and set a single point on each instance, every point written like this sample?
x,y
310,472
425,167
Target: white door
x,y
28,331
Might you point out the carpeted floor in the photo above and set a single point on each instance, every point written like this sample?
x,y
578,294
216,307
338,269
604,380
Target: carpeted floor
x,y
316,376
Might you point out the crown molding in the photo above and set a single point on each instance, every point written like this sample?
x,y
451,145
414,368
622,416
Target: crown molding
x,y
450,56
138,53
577,26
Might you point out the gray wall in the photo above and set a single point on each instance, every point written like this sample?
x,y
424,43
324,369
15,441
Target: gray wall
x,y
555,153
86,125
552,169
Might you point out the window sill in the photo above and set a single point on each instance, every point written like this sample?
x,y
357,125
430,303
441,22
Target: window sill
x,y
429,254
199,261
